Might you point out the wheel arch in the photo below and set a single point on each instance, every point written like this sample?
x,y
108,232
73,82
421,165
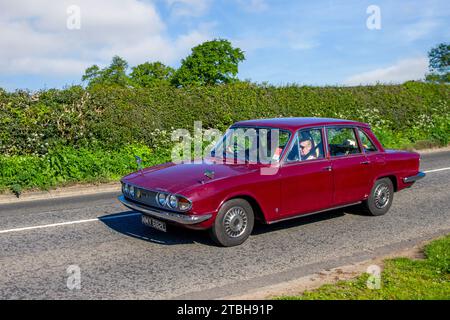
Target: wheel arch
x,y
391,177
257,210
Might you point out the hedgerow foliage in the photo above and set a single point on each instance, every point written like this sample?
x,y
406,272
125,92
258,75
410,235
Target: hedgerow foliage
x,y
95,127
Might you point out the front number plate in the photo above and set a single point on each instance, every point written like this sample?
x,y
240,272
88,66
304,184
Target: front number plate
x,y
156,224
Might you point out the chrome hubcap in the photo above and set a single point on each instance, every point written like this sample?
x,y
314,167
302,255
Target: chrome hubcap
x,y
382,195
235,222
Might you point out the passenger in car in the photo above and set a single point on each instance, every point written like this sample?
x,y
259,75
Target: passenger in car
x,y
350,146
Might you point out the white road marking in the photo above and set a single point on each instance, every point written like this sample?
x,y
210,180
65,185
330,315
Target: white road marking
x,y
116,217
68,223
436,170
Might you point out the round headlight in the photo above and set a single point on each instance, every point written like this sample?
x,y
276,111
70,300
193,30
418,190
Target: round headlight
x,y
173,202
132,189
161,198
126,188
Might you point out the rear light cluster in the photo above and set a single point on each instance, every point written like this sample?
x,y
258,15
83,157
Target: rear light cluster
x,y
171,201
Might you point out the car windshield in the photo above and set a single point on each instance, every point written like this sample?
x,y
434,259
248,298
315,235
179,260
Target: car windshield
x,y
251,144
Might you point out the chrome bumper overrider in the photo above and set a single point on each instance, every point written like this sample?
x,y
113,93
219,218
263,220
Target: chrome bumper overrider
x,y
165,215
418,176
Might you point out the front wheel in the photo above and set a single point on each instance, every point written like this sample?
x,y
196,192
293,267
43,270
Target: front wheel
x,y
233,223
380,198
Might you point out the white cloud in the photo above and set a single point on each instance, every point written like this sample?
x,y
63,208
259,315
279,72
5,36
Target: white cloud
x,y
420,21
194,8
158,48
419,30
254,5
34,38
403,70
250,43
303,44
301,40
47,66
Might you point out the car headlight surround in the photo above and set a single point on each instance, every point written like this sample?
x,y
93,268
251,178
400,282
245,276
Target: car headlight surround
x,y
161,199
132,190
172,201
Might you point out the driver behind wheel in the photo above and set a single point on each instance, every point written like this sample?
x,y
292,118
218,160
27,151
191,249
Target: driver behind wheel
x,y
307,149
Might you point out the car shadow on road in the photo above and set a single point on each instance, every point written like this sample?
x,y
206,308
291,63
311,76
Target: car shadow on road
x,y
261,228
129,223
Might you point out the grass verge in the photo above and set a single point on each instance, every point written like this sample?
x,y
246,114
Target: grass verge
x,y
401,279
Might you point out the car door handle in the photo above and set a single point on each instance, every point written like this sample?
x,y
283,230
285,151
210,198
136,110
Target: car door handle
x,y
327,168
365,162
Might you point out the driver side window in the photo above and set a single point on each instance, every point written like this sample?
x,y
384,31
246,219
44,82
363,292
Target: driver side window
x,y
308,145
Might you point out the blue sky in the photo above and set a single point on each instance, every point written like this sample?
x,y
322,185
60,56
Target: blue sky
x,y
306,42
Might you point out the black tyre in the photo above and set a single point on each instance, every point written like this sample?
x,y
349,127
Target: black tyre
x,y
380,198
233,224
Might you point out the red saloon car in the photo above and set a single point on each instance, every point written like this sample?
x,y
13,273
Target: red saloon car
x,y
317,164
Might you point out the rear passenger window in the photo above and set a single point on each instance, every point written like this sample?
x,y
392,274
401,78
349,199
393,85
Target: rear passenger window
x,y
342,141
367,145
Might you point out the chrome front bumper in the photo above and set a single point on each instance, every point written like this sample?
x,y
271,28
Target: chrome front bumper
x,y
165,215
418,176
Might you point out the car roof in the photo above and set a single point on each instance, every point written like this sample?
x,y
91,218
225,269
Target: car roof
x,y
297,123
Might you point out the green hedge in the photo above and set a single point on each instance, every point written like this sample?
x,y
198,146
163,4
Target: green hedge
x,y
72,165
94,126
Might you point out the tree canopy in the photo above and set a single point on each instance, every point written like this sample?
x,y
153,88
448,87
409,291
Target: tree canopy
x,y
439,63
150,74
115,73
212,62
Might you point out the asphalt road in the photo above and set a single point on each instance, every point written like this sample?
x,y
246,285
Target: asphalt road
x,y
120,259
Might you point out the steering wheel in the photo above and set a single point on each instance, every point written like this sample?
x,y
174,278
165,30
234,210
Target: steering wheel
x,y
234,148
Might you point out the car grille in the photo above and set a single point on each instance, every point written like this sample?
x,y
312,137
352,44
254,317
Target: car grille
x,y
144,196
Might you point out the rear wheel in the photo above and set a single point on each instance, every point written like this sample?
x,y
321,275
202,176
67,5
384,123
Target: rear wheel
x,y
233,223
380,198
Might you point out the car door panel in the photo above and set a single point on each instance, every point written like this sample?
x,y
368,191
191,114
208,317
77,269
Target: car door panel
x,y
350,166
306,181
350,177
306,187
